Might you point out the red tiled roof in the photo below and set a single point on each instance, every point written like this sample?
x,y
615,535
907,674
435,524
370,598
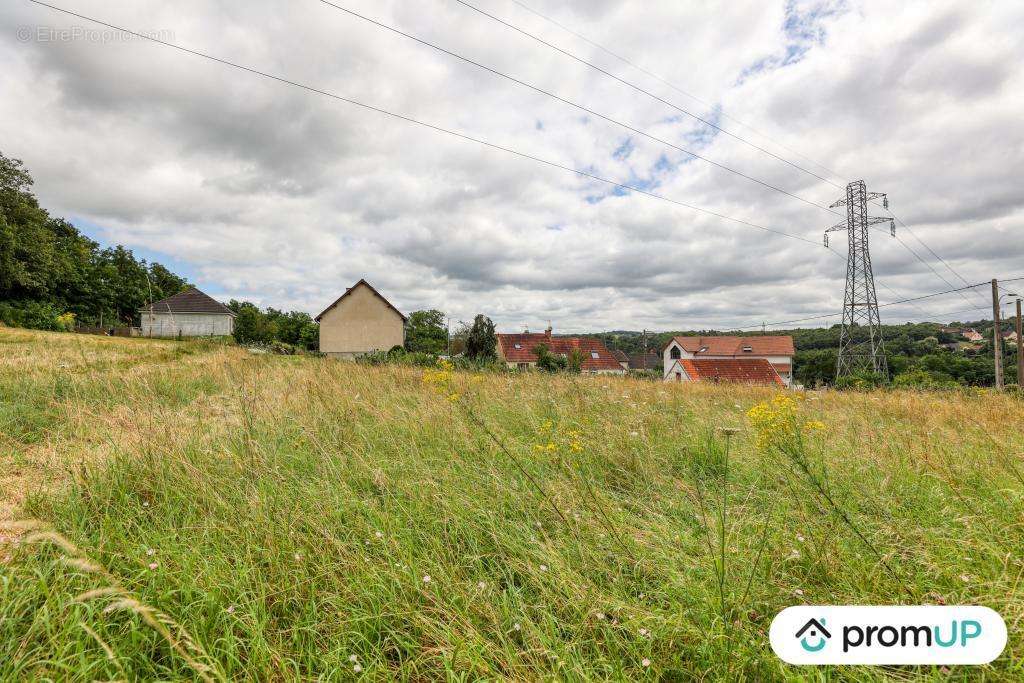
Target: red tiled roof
x,y
761,345
742,370
518,348
782,367
620,355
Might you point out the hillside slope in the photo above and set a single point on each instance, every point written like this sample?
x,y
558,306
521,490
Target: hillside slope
x,y
201,511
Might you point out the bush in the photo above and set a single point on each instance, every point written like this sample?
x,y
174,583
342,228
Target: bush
x,y
398,356
35,315
282,348
922,379
861,381
66,322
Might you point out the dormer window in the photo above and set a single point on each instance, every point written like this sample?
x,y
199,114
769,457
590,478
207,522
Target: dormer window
x,y
675,353
518,346
595,354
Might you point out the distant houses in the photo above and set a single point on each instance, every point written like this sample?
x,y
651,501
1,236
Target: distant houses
x,y
757,359
519,352
186,314
360,321
363,321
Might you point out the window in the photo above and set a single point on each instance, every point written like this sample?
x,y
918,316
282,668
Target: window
x,y
674,353
748,349
518,346
702,349
679,377
595,354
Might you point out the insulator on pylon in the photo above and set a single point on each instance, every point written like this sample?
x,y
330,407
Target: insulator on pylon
x,y
826,239
892,228
885,202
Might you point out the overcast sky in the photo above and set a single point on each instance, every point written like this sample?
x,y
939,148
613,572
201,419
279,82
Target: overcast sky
x,y
259,190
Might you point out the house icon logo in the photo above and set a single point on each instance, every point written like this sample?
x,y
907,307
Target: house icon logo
x,y
815,631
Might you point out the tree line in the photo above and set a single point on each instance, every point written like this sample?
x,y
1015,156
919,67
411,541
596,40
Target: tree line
x,y
51,275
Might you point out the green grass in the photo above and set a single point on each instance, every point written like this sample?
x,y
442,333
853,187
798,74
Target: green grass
x,y
294,507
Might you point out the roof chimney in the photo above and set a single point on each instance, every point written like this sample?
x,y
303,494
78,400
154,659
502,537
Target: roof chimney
x,y
547,332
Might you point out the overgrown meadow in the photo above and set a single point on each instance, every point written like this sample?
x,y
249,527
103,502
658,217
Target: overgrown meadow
x,y
189,510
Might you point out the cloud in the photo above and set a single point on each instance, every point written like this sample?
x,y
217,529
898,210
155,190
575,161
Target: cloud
x,y
284,196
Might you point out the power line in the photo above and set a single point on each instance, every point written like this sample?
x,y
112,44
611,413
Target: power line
x,y
641,90
668,83
931,251
576,105
885,305
676,88
431,126
592,112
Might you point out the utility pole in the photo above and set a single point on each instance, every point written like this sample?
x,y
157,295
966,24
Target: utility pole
x,y
643,348
860,304
1020,351
996,335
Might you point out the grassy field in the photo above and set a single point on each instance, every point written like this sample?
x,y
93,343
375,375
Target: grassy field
x,y
192,510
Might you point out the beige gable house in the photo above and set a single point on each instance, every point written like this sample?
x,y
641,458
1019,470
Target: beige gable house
x,y
361,321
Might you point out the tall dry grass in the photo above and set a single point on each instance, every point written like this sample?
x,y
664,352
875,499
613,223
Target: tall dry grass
x,y
300,518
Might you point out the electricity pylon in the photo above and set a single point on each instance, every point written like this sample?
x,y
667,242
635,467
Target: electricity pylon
x,y
860,306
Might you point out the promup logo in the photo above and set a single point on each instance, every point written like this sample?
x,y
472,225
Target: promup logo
x,y
817,630
887,635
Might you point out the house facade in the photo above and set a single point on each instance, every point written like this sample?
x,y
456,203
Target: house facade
x,y
360,321
186,314
517,350
777,350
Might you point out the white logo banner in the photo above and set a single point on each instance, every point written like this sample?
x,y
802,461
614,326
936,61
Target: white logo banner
x,y
858,634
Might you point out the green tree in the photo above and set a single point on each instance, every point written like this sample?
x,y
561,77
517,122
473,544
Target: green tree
x,y
574,363
547,361
252,326
426,332
481,341
164,282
